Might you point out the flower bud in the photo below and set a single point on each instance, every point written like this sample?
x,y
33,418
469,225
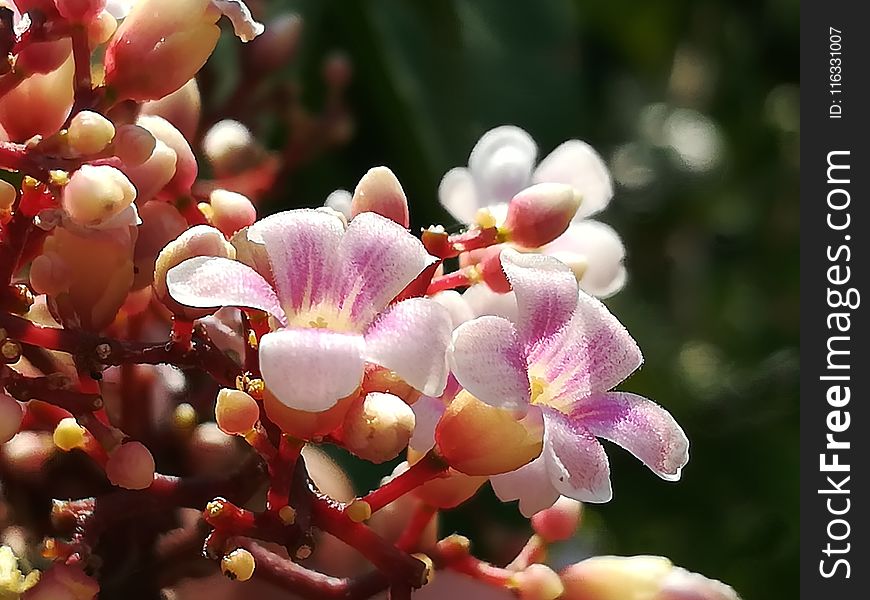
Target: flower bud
x,y
236,412
159,47
11,415
39,105
152,176
64,582
615,577
95,194
230,148
238,565
182,108
49,274
200,240
130,466
681,584
161,223
8,195
380,192
43,57
79,11
185,162
303,424
231,211
134,145
89,132
538,582
339,201
501,443
68,434
539,214
101,28
378,428
559,522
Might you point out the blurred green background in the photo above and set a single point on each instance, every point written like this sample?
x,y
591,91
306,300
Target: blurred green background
x,y
694,104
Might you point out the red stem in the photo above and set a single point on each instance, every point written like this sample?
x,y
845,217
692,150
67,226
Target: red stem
x,y
421,518
427,468
450,281
82,60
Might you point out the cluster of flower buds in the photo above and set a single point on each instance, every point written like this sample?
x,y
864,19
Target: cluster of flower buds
x,y
322,325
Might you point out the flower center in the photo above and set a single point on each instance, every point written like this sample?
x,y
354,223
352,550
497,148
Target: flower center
x,y
539,390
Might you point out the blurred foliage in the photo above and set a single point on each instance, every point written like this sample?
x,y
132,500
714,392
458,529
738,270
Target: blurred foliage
x,y
695,106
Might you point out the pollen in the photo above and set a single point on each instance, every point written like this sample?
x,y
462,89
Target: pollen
x,y
538,388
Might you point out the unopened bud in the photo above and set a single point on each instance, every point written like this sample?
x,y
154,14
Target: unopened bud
x,y
64,582
230,147
11,415
538,582
378,428
95,194
615,577
134,144
79,11
185,162
501,442
380,192
231,211
152,176
101,28
681,584
539,214
200,240
238,565
358,511
89,132
303,424
235,412
8,195
68,434
131,466
50,274
559,522
182,108
39,105
339,201
43,57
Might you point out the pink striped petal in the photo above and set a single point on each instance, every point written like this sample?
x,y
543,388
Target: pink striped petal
x,y
378,258
576,462
530,484
640,426
411,339
501,163
579,165
546,292
311,369
210,281
458,195
301,246
591,354
487,359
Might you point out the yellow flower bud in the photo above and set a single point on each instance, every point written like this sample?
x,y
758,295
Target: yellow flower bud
x,y
615,578
235,412
68,434
378,428
95,194
89,132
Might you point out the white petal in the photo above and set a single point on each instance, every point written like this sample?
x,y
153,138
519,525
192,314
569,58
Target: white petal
x,y
244,25
483,301
576,461
578,164
458,195
501,163
601,248
455,303
530,484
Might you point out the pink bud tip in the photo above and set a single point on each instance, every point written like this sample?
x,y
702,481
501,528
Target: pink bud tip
x,y
236,412
380,192
558,522
131,466
540,214
231,211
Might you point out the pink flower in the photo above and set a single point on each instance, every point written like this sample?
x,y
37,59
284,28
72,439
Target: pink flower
x,y
502,164
561,359
329,289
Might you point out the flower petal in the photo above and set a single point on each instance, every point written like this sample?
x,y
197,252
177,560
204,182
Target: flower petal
x,y
501,163
311,369
411,339
530,484
640,426
210,281
483,301
576,461
378,258
487,359
301,246
458,196
456,306
546,292
578,164
601,249
427,412
591,354
244,25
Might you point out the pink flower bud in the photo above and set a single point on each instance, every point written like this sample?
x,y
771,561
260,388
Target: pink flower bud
x,y
161,223
79,11
95,194
615,577
380,192
152,176
159,47
134,145
378,428
131,466
231,211
39,105
540,214
64,582
43,57
185,162
49,274
230,148
236,412
101,28
11,415
89,132
538,582
182,108
559,522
